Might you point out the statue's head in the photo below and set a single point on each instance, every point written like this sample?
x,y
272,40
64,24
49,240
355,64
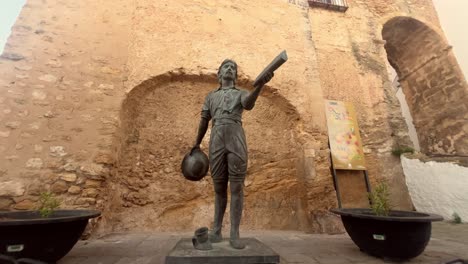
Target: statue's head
x,y
227,70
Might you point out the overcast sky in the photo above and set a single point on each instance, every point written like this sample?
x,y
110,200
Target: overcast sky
x,y
452,14
454,20
9,10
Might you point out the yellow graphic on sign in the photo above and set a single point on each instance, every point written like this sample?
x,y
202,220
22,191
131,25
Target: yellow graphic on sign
x,y
343,133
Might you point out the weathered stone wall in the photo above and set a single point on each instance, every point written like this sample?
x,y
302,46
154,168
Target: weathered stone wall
x,y
352,50
100,101
431,80
61,83
351,61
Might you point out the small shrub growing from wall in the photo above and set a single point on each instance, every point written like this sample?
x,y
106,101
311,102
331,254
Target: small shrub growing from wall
x,y
456,218
401,150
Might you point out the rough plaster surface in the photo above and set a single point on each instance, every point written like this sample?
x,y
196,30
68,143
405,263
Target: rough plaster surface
x,y
437,187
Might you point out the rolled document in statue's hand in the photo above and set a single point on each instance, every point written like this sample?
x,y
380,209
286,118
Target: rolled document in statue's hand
x,y
275,64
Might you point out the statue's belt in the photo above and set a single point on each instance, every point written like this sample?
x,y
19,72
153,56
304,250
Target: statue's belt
x,y
226,121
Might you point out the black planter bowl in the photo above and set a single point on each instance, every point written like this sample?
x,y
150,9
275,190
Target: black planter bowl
x,y
399,236
25,234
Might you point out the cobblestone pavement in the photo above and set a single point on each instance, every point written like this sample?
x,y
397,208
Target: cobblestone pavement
x,y
448,242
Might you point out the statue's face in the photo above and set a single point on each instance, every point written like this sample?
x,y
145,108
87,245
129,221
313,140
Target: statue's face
x,y
228,71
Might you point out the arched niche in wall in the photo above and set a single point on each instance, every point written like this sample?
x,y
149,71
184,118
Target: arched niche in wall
x,y
433,84
159,120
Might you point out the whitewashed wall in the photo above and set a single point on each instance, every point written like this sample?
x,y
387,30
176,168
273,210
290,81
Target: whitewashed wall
x,y
436,187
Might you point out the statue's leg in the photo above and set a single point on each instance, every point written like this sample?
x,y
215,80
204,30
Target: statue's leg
x,y
237,203
220,189
219,172
237,169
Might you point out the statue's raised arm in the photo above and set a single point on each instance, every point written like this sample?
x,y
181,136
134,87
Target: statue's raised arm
x,y
248,102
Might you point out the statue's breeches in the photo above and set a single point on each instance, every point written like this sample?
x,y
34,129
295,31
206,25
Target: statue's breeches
x,y
228,153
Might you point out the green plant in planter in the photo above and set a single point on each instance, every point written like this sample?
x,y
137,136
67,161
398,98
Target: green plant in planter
x,y
380,200
47,204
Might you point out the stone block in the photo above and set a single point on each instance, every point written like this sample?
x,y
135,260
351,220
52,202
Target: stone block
x,y
25,205
85,201
254,252
68,177
91,192
74,190
57,151
4,134
94,171
11,188
103,158
34,163
92,184
59,187
12,56
48,78
5,203
35,187
13,124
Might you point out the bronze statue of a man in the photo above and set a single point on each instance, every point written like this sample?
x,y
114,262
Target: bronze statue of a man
x,y
228,147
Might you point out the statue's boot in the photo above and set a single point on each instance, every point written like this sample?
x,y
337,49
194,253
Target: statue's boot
x,y
237,243
237,201
215,238
215,235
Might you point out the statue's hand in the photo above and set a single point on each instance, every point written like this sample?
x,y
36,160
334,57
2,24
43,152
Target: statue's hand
x,y
197,146
266,78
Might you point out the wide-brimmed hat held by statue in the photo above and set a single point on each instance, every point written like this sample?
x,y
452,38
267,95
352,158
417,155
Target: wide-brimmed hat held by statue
x,y
195,165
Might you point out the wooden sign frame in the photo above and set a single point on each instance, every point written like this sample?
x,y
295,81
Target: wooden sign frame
x,y
344,142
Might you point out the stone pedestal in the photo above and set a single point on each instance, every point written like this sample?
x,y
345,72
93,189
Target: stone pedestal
x,y
254,252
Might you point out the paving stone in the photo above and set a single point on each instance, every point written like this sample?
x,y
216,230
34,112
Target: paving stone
x,y
448,242
300,258
73,260
139,260
91,260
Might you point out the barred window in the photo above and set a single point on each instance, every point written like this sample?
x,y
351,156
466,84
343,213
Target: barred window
x,y
339,5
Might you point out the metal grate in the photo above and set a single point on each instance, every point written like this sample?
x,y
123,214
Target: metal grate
x,y
338,5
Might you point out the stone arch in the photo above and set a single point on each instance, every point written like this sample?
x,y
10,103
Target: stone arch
x,y
159,119
433,84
